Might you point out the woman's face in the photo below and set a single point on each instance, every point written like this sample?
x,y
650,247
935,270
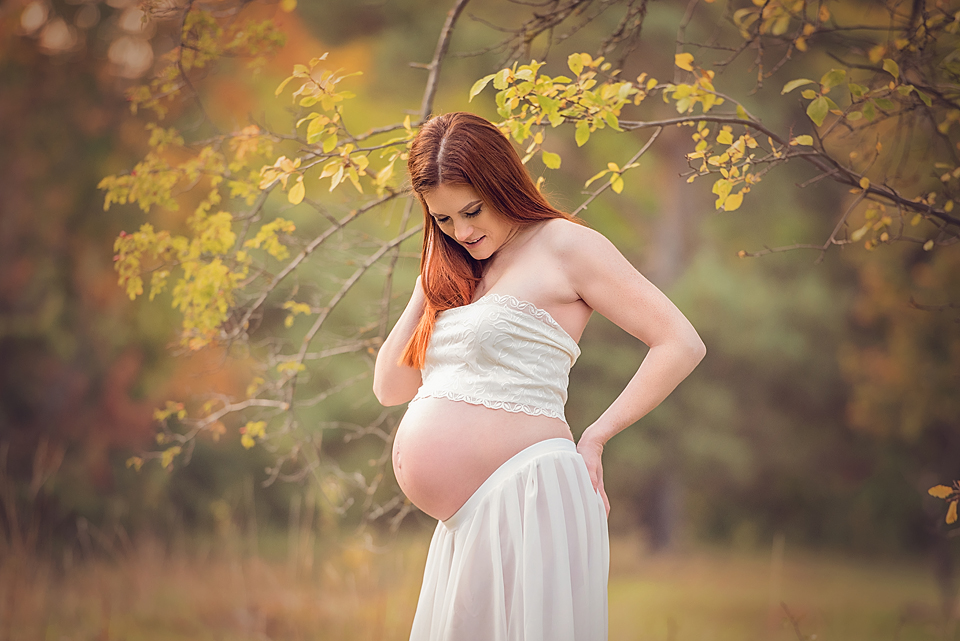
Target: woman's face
x,y
464,217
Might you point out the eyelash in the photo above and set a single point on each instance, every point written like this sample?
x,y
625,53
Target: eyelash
x,y
469,214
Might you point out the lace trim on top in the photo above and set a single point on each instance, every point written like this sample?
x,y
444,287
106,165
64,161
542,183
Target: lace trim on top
x,y
516,408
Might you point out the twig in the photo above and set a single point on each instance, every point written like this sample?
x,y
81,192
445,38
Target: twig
x,y
636,157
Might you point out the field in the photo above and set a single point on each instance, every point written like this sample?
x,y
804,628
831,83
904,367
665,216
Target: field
x,y
215,592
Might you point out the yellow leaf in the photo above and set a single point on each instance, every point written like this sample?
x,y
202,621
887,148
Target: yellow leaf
x,y
329,143
802,140
952,513
297,192
860,233
616,183
927,246
733,201
551,160
282,85
684,61
596,176
288,5
166,459
864,183
724,137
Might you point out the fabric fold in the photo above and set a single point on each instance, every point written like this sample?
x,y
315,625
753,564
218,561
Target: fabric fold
x,y
526,558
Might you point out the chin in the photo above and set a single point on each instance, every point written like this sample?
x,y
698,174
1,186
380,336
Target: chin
x,y
478,251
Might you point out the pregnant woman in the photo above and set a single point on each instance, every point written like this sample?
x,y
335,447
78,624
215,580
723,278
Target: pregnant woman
x,y
483,352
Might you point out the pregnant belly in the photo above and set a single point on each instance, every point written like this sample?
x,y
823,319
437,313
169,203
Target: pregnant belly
x,y
444,450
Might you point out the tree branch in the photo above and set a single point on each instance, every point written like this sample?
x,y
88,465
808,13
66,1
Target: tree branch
x,y
426,106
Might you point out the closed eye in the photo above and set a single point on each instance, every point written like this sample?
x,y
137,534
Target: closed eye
x,y
442,219
471,214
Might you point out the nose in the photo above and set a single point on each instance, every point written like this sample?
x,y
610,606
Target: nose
x,y
462,230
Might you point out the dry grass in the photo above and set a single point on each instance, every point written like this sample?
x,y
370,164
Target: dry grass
x,y
153,594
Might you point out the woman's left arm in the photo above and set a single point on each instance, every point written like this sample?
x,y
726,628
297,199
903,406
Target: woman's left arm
x,y
610,285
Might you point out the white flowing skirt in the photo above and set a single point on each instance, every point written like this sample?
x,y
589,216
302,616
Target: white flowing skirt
x,y
526,558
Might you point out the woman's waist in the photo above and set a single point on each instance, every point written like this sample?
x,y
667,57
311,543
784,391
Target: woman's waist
x,y
429,411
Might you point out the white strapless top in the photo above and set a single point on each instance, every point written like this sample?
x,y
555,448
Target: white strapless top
x,y
502,353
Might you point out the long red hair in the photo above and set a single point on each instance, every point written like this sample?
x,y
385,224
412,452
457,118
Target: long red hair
x,y
461,148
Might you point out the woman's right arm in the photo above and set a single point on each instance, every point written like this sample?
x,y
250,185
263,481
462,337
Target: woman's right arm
x,y
393,383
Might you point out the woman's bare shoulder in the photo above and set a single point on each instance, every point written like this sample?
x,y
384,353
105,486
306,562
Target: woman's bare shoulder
x,y
568,238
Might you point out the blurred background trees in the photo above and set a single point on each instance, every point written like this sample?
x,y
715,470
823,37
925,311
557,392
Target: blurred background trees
x,y
827,405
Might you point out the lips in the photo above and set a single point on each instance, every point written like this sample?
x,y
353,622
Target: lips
x,y
473,243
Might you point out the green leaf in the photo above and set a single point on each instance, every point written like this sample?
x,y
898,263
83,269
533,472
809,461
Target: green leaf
x,y
817,110
793,84
611,119
856,90
315,130
832,78
479,85
924,97
854,116
885,103
869,112
583,133
551,159
809,94
805,140
891,68
500,79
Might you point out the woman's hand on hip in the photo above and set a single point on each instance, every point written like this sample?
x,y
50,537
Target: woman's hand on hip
x,y
592,450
